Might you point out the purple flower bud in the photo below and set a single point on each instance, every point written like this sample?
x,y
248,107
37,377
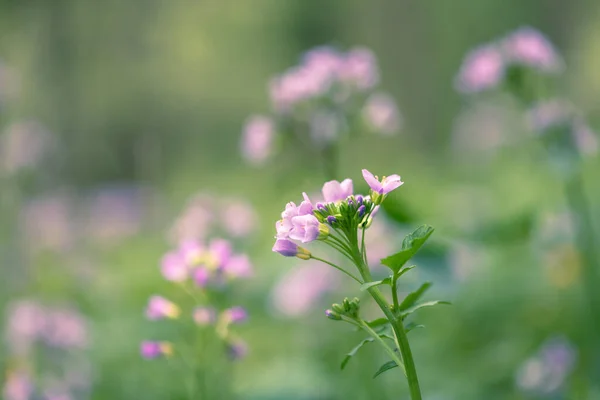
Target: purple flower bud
x,y
359,199
350,201
204,315
331,219
321,206
285,247
235,314
151,349
361,210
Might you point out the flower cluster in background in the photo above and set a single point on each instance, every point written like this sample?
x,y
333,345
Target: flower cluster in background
x,y
486,67
47,357
206,215
319,100
204,268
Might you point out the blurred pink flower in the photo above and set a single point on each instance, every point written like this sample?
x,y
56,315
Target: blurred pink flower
x,y
204,315
26,322
257,139
237,349
23,145
174,267
239,218
482,69
153,349
195,221
116,211
18,386
548,114
529,47
359,68
65,328
47,222
586,139
299,290
159,308
381,113
238,266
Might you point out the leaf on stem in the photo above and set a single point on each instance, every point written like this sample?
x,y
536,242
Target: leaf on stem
x,y
352,352
409,311
411,326
378,322
412,298
404,270
387,366
410,245
367,285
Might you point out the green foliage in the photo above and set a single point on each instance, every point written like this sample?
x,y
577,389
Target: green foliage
x,y
432,303
352,352
386,281
385,367
410,245
413,297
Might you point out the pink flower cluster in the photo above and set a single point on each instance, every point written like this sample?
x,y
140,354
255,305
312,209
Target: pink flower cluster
x,y
484,67
321,70
204,215
53,334
317,99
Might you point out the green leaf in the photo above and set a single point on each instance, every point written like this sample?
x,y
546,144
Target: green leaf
x,y
412,298
388,365
411,326
367,285
410,245
352,352
378,322
422,305
404,270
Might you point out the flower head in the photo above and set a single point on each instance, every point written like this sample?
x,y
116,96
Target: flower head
x,y
527,46
381,113
238,266
235,315
305,228
383,187
482,69
159,308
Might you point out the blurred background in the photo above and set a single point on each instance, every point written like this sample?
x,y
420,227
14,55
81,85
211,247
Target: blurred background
x,y
116,115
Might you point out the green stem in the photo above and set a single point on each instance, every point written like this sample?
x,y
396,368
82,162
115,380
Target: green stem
x,y
338,268
397,326
387,348
395,293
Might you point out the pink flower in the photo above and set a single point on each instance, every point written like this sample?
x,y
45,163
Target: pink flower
x,y
482,69
173,267
204,316
239,218
220,251
18,386
285,225
257,139
360,68
238,266
191,251
152,349
235,315
305,228
386,185
159,308
201,276
334,191
381,113
529,47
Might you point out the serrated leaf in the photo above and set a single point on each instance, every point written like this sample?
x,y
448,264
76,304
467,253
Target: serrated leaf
x,y
410,245
352,352
378,322
387,366
422,305
367,285
413,297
